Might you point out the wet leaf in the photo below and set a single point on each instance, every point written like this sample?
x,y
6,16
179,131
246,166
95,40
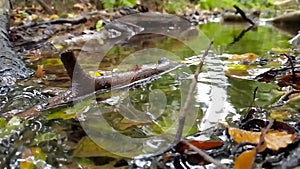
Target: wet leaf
x,y
274,139
181,147
245,160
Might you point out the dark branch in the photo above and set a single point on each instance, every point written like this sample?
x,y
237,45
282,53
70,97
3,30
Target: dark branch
x,y
242,13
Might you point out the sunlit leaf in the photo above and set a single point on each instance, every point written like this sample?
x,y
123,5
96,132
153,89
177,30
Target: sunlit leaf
x,y
245,160
274,139
237,67
99,25
281,50
247,56
96,73
54,16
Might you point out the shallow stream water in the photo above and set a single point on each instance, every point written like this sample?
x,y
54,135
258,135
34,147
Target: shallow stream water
x,y
129,122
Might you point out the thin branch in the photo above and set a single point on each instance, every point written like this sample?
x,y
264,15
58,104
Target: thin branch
x,y
292,65
205,156
242,13
263,134
284,97
250,111
189,96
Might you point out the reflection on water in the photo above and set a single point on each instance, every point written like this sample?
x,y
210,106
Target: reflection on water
x,y
153,108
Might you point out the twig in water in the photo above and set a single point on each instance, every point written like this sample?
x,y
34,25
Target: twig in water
x,y
285,97
292,65
242,13
189,96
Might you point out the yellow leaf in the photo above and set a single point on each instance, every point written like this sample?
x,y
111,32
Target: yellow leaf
x,y
96,73
245,160
277,139
244,136
54,16
280,115
243,57
274,139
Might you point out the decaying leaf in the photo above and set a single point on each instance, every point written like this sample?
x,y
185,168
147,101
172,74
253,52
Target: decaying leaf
x,y
274,139
290,80
245,160
181,147
40,73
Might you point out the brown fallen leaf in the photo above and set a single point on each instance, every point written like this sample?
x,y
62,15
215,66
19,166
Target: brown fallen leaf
x,y
290,80
40,73
274,139
181,147
245,160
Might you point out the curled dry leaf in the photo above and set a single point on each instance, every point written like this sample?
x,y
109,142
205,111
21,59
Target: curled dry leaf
x,y
245,160
274,139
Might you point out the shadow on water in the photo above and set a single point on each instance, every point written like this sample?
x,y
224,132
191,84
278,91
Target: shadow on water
x,y
60,137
